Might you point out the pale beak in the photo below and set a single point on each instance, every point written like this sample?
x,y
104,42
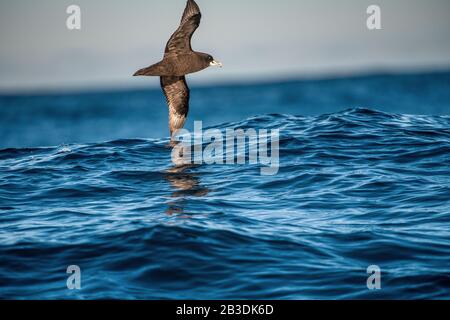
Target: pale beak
x,y
215,63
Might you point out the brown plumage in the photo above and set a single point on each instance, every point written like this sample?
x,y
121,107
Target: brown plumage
x,y
180,60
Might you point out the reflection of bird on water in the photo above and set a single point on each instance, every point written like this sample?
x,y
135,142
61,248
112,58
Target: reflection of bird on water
x,y
185,184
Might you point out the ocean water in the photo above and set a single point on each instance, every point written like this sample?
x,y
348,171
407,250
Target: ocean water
x,y
364,180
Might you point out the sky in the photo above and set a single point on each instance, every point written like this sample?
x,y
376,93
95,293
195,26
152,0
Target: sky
x,y
257,40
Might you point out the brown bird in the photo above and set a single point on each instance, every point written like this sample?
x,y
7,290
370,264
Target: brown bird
x,y
180,60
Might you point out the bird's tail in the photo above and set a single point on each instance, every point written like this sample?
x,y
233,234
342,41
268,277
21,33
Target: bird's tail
x,y
154,70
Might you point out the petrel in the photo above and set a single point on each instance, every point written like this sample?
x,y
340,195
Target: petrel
x,y
180,60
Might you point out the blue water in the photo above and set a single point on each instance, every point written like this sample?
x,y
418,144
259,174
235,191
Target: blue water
x,y
363,180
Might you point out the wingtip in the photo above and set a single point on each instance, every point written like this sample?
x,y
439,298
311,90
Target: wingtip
x,y
138,73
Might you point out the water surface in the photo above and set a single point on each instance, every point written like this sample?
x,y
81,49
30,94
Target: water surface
x,y
356,187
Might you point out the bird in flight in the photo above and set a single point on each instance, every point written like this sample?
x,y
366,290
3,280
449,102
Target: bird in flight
x,y
180,60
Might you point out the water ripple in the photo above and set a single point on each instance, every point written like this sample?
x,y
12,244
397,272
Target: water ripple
x,y
355,188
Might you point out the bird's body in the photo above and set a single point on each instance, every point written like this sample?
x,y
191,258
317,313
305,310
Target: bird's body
x,y
180,60
177,65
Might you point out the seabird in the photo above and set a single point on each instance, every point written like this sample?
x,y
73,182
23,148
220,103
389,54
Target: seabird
x,y
180,60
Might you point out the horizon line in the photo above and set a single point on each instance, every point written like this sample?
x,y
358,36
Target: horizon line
x,y
123,86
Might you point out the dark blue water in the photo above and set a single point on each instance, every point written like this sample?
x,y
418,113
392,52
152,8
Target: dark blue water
x,y
356,187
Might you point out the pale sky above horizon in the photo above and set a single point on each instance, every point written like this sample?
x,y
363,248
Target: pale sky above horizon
x,y
255,39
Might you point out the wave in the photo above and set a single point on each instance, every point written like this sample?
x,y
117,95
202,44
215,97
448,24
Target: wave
x,y
355,188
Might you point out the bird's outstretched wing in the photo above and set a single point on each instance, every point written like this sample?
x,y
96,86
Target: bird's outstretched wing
x,y
180,42
177,94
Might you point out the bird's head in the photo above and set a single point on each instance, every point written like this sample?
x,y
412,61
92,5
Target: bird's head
x,y
210,61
